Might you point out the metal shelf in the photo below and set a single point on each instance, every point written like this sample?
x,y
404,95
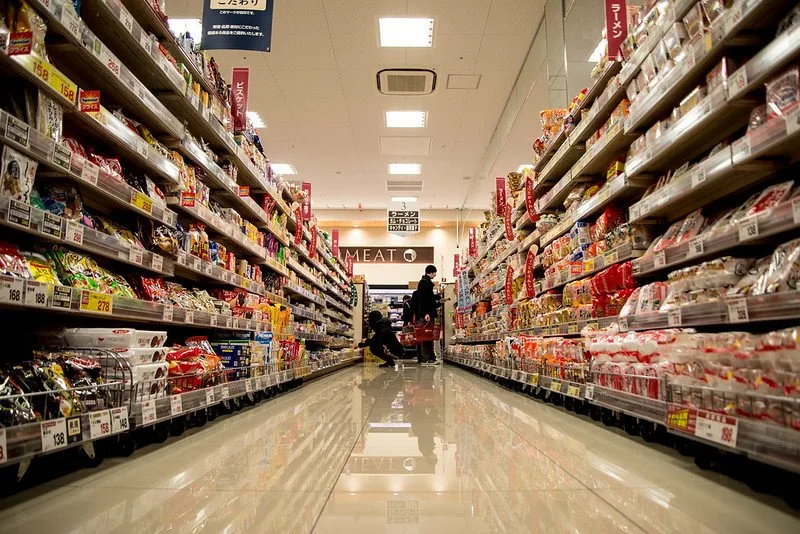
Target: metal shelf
x,y
93,182
589,267
303,293
193,268
301,311
309,277
598,157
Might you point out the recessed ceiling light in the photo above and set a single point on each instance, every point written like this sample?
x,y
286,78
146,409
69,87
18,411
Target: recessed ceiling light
x,y
283,168
406,32
405,168
256,120
406,119
599,51
404,199
438,225
522,168
193,26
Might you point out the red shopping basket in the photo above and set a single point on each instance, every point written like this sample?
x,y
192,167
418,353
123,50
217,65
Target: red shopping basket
x,y
429,331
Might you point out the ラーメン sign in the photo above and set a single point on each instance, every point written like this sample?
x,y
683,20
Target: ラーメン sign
x,y
237,25
402,221
389,254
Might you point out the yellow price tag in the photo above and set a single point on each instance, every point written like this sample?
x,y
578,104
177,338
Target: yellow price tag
x,y
535,379
588,265
573,391
555,385
92,301
678,419
142,201
63,85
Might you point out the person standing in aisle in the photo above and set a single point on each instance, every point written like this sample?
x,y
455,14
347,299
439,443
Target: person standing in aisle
x,y
382,338
427,309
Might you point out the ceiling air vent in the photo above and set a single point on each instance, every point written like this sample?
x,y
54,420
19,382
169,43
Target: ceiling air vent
x,y
403,186
406,81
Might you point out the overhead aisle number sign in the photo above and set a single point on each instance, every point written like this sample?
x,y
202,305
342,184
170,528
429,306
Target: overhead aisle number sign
x,y
402,221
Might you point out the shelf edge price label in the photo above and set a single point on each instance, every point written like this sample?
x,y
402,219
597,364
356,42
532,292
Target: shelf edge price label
x,y
169,313
225,392
92,301
212,320
574,391
90,172
157,263
737,310
54,434
229,322
176,405
189,317
534,379
74,233
674,318
19,213
660,259
796,210
36,294
62,156
555,385
698,176
718,428
136,255
99,424
62,298
51,225
12,290
17,131
696,247
209,396
146,42
737,82
142,201
588,392
248,385
259,383
741,149
119,419
748,229
622,322
149,412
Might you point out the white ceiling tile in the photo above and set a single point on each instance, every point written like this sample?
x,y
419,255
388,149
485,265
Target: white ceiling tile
x,y
318,109
299,16
405,146
301,52
502,52
514,17
361,16
450,52
308,83
452,16
358,51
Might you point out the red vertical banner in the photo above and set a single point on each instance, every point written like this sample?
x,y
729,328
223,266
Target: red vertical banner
x,y
616,27
473,242
240,86
509,285
307,201
509,226
298,231
456,262
335,242
530,288
312,251
530,200
349,264
500,200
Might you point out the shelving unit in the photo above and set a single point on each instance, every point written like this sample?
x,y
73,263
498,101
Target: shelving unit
x,y
710,154
162,128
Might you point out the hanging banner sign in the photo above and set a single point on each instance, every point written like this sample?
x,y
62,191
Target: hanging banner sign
x,y
456,262
240,87
509,226
509,285
473,242
307,201
237,25
349,265
335,242
298,231
530,200
402,221
616,27
530,288
500,190
312,250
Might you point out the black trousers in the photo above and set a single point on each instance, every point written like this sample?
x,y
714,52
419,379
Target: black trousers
x,y
428,354
380,351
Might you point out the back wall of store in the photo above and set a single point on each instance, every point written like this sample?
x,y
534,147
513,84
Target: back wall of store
x,y
443,241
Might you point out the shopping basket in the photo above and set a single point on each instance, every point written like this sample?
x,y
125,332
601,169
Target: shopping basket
x,y
407,338
427,331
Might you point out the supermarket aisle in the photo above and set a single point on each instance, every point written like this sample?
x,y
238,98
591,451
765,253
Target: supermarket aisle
x,y
414,450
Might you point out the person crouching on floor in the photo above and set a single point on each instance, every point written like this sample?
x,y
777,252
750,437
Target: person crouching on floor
x,y
382,339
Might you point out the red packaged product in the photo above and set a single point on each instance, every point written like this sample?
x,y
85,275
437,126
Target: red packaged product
x,y
75,146
770,197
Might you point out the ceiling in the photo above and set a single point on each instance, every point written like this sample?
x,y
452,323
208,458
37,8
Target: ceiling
x,y
316,90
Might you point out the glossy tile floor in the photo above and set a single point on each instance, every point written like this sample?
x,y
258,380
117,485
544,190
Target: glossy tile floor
x,y
431,449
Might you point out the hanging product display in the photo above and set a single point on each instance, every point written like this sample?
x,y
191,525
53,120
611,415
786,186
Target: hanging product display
x,y
657,238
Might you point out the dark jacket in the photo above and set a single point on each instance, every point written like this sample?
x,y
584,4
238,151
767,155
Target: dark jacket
x,y
427,301
382,336
408,311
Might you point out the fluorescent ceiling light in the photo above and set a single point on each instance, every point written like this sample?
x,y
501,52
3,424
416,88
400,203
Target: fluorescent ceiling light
x,y
405,168
404,199
193,26
599,51
406,32
256,120
406,119
283,168
522,168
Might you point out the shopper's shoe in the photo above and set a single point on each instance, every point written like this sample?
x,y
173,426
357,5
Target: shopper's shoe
x,y
387,364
